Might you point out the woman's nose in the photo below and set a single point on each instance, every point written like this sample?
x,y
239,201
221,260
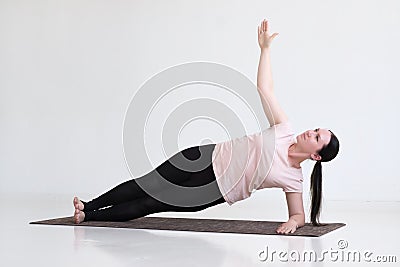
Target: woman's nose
x,y
311,133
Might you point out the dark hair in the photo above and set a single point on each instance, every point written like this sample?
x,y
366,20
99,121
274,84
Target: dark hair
x,y
327,153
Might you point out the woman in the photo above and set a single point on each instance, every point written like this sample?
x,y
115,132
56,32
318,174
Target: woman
x,y
273,160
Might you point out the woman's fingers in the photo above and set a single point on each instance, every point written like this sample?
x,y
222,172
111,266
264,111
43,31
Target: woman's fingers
x,y
273,36
263,26
280,229
285,230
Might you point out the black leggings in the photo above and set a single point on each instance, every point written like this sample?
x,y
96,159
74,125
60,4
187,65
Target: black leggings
x,y
129,201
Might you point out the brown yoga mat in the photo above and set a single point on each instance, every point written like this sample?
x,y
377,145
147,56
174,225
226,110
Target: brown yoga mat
x,y
201,225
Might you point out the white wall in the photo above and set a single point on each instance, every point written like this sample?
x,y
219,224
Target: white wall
x,y
68,70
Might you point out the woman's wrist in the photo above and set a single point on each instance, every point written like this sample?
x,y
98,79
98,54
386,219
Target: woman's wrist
x,y
265,50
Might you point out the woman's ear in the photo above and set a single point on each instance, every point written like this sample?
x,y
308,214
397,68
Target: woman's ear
x,y
315,157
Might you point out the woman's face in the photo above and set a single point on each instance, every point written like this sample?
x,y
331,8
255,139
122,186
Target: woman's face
x,y
312,141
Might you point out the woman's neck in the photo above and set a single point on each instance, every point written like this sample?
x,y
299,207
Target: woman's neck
x,y
296,157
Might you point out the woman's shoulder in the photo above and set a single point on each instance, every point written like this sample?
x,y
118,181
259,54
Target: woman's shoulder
x,y
281,130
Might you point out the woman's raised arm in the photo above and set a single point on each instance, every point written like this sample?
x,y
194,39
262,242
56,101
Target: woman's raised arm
x,y
265,85
264,76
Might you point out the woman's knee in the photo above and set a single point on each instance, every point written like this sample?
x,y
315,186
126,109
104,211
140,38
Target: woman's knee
x,y
152,205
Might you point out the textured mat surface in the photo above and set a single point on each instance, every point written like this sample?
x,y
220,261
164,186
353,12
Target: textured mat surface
x,y
200,225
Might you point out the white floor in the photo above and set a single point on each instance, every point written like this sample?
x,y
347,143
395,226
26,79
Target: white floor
x,y
371,227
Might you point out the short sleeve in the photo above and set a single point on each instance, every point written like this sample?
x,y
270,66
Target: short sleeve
x,y
283,129
295,187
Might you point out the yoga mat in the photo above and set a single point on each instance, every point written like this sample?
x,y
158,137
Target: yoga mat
x,y
201,225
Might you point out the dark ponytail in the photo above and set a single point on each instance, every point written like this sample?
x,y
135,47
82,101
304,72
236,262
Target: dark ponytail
x,y
316,193
327,153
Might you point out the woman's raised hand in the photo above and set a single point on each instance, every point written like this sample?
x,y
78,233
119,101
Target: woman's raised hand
x,y
264,39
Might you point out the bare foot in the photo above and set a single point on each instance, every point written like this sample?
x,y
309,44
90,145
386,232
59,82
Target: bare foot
x,y
78,204
79,216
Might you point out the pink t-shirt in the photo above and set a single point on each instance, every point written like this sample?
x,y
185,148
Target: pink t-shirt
x,y
256,161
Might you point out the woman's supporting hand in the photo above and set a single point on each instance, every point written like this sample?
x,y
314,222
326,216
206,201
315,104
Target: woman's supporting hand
x,y
264,39
287,227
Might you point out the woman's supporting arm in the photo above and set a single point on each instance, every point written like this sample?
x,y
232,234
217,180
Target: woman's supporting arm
x,y
296,213
295,206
